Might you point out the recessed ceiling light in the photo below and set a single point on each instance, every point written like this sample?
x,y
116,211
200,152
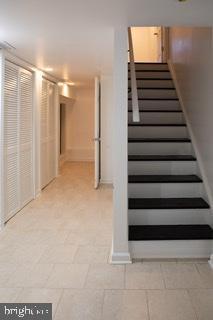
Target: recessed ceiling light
x,y
48,69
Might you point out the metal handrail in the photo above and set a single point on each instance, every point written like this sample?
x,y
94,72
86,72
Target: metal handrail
x,y
134,90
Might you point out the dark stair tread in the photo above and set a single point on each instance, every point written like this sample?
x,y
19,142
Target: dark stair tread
x,y
159,140
146,63
156,99
164,178
151,79
154,88
170,232
138,124
161,158
154,70
156,110
167,203
141,78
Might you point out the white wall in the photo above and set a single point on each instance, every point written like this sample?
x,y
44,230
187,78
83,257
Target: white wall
x,y
191,54
66,91
80,125
106,129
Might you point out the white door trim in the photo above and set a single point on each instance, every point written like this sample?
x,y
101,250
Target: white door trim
x,y
97,137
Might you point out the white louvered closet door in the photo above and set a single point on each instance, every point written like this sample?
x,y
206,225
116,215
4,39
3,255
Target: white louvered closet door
x,y
18,111
51,132
26,136
48,133
44,134
11,114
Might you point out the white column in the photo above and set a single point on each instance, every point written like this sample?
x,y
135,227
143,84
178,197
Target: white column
x,y
120,247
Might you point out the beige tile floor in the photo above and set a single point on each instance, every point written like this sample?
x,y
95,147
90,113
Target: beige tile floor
x,y
56,250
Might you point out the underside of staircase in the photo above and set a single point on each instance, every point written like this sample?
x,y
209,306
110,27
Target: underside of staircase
x,y
169,212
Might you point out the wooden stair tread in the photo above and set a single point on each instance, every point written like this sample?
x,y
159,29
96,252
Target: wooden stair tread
x,y
167,203
170,232
138,124
158,111
164,178
161,158
160,140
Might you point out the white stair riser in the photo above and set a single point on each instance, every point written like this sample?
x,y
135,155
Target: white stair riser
x,y
157,104
157,132
151,66
167,148
165,190
171,249
159,118
168,216
162,167
153,83
152,74
156,94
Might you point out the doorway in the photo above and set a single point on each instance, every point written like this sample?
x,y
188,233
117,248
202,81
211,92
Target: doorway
x,y
62,129
149,44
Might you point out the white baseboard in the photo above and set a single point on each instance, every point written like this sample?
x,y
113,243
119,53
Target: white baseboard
x,y
211,261
106,181
38,193
120,258
62,159
80,155
193,139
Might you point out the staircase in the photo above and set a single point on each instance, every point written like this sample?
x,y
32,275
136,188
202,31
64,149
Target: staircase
x,y
169,214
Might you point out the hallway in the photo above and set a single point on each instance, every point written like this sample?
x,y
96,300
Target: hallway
x,y
56,250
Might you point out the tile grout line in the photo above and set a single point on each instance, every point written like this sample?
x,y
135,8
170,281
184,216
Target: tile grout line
x,y
86,277
103,302
200,276
46,282
147,303
125,286
190,300
59,301
163,277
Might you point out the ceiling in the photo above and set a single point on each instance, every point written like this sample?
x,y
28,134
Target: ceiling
x,y
75,38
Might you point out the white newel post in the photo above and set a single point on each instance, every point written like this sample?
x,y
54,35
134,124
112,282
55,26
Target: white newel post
x,y
120,248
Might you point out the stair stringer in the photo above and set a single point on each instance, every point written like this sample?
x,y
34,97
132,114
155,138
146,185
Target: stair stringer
x,y
200,164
